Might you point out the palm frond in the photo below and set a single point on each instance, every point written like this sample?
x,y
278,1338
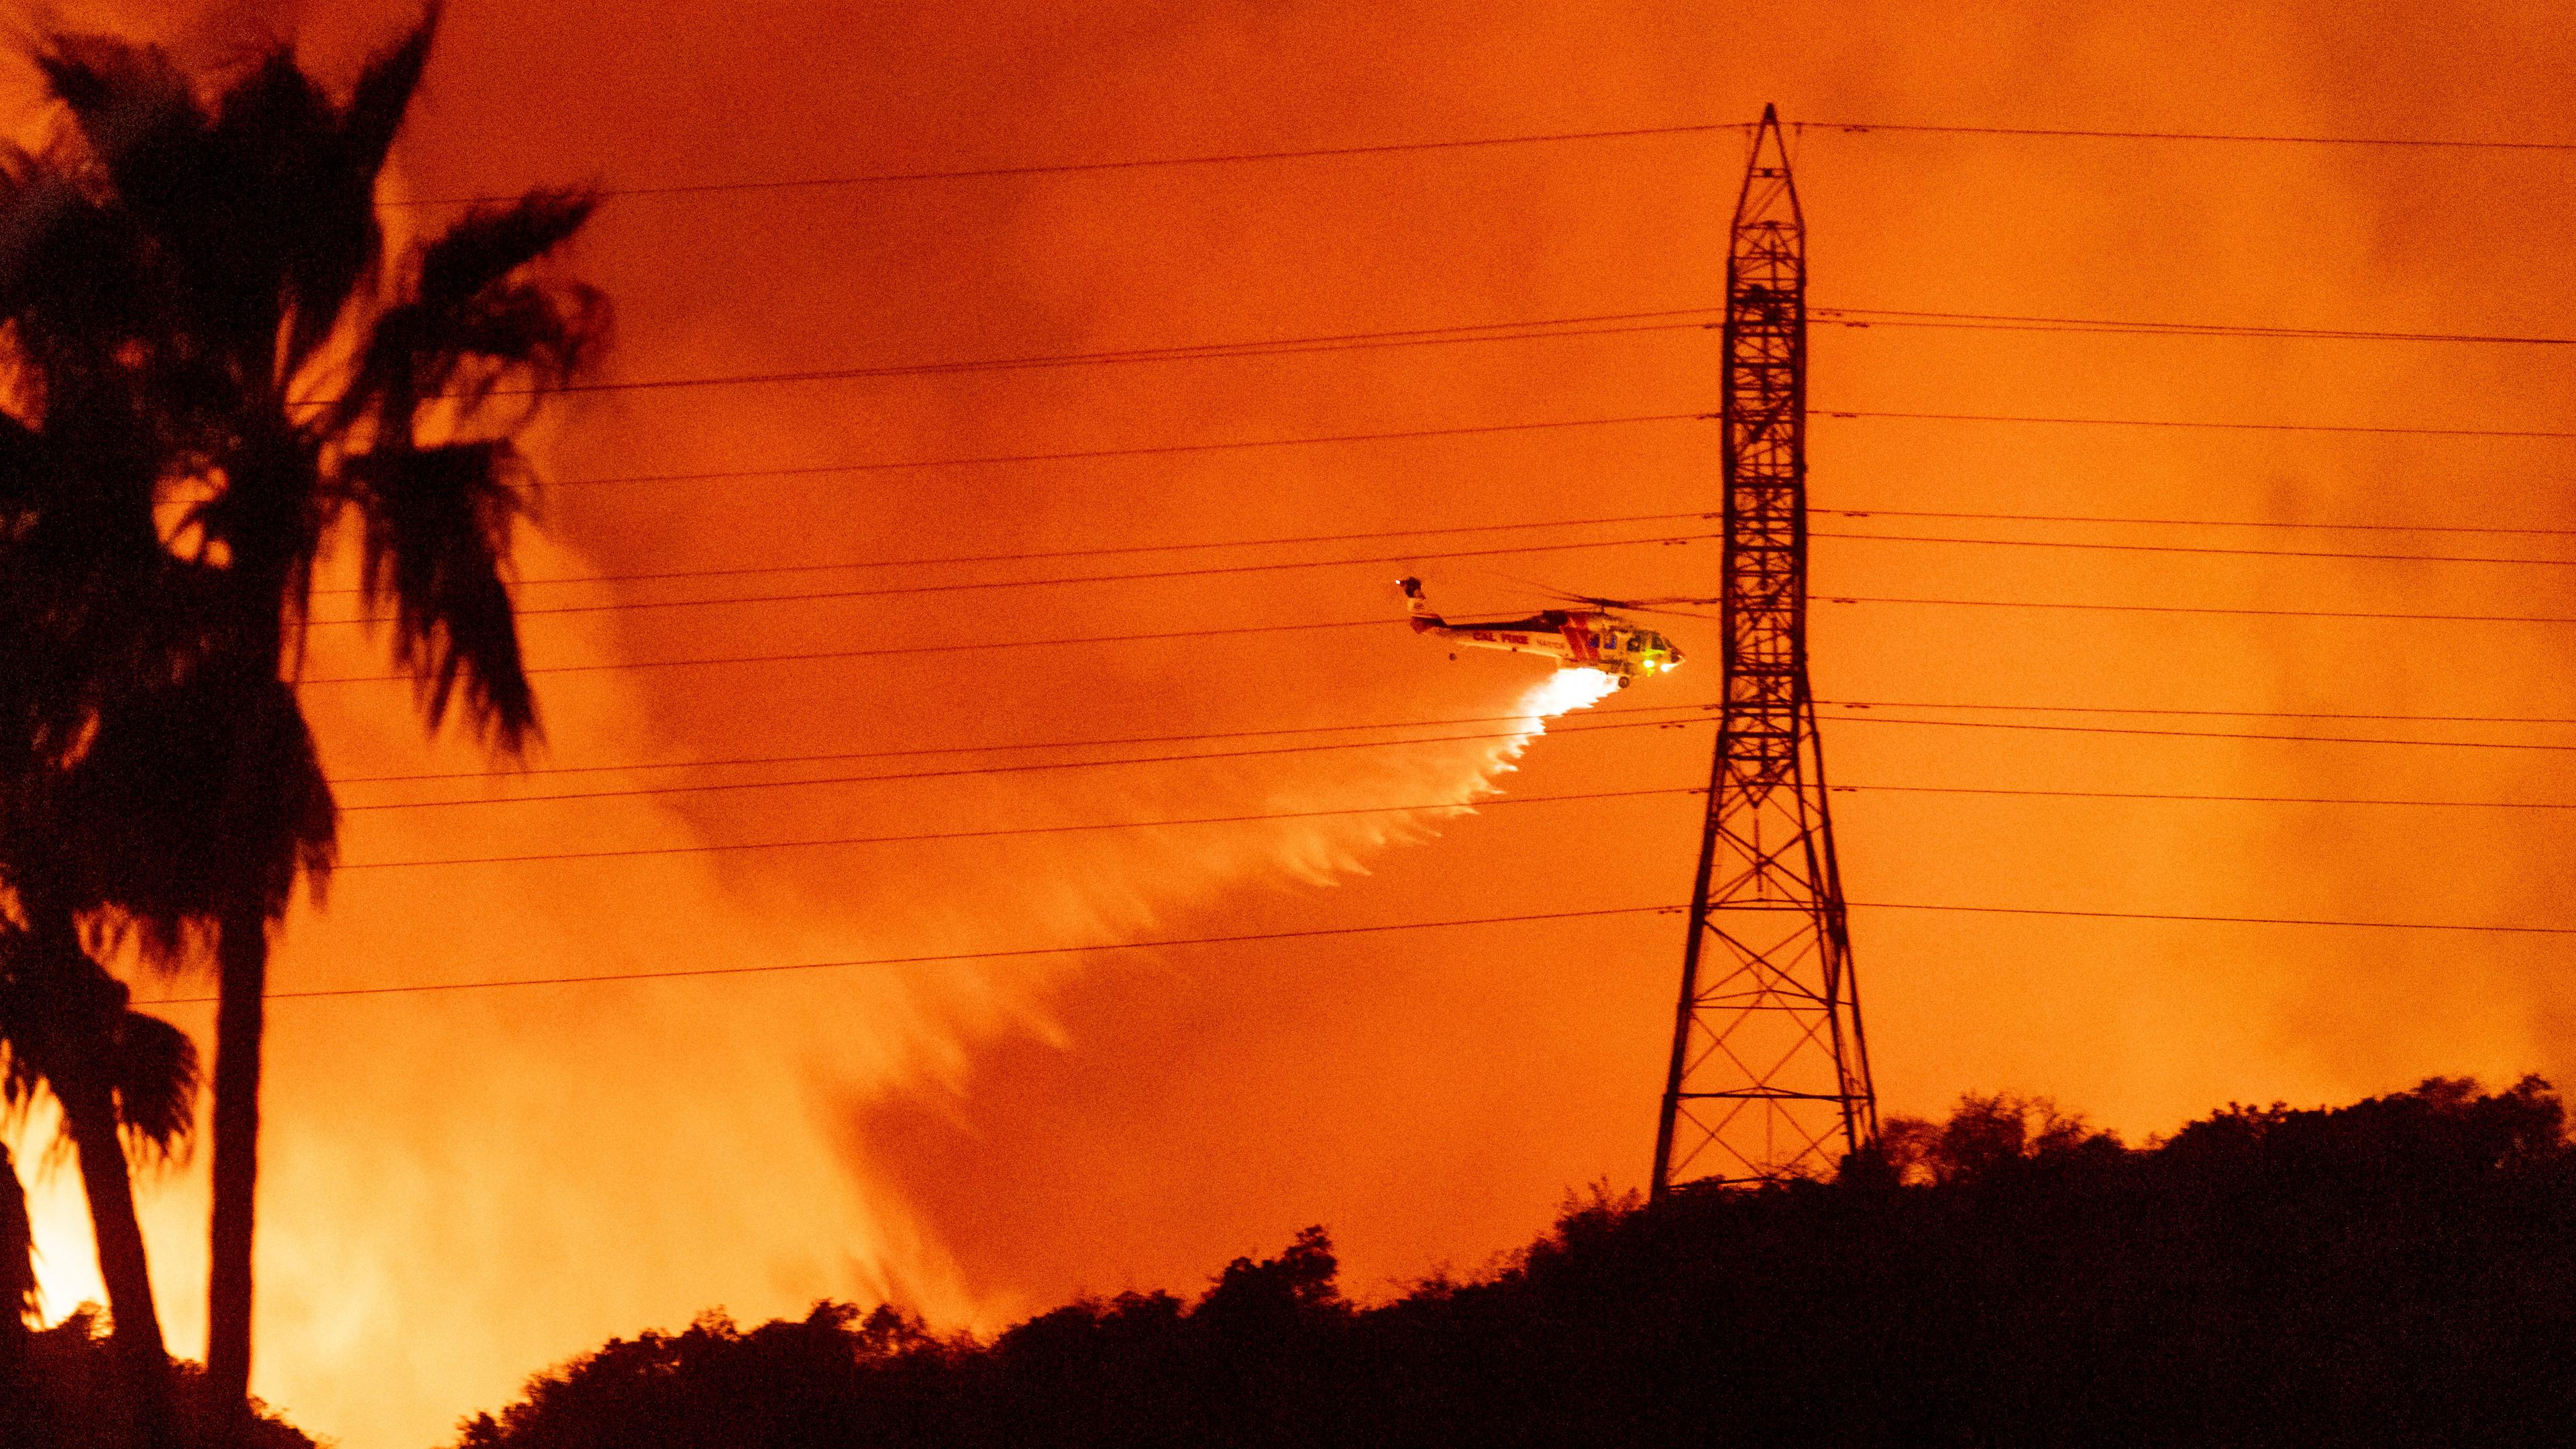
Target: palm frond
x,y
341,242
471,321
191,797
490,243
298,225
383,94
154,1071
136,112
435,535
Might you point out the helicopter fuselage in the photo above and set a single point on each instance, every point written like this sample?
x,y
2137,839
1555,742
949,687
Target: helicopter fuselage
x,y
1574,638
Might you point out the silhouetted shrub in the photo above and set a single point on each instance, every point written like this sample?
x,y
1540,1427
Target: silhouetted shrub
x,y
2400,1271
69,1388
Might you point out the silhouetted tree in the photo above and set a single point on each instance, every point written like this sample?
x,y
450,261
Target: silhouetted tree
x,y
2400,1271
124,1082
1983,1135
75,1396
202,290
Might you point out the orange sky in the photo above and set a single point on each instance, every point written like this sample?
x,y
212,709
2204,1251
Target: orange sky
x,y
460,1189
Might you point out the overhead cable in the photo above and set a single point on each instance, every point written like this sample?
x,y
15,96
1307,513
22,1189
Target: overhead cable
x,y
1047,555
2206,798
889,651
1398,148
944,958
1867,512
2196,423
1155,575
1467,806
1666,717
1356,342
2099,546
1867,317
1094,742
2220,713
1144,163
1994,724
1202,571
2258,138
2329,921
2373,614
1533,731
1152,451
1256,937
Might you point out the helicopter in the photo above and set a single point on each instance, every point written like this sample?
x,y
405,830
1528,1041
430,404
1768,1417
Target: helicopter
x,y
1592,637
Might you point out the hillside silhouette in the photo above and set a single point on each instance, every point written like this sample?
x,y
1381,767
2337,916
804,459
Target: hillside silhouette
x,y
2398,1271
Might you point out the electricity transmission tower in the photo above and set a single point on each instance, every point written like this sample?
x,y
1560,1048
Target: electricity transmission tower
x,y
1770,1073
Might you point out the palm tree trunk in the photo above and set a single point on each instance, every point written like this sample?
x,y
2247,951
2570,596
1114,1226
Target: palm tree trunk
x,y
239,1022
89,1114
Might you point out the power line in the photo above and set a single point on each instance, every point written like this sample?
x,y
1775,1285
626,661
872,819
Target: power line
x,y
1069,168
1142,577
1356,342
1170,449
2193,522
1080,764
1686,715
1094,742
1577,729
2223,799
890,650
1605,324
1254,629
1159,450
1316,153
2064,132
945,958
897,590
1119,549
2094,546
1600,522
1867,317
2192,423
2194,609
2225,920
2224,713
1255,937
1991,724
1488,429
924,836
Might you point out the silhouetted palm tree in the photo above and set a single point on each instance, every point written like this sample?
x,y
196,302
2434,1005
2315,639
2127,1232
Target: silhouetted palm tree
x,y
209,280
125,1082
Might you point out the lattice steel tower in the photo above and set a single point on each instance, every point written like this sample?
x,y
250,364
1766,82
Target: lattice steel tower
x,y
1770,1073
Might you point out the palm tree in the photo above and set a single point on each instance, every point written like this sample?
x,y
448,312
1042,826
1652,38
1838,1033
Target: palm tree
x,y
125,1082
230,312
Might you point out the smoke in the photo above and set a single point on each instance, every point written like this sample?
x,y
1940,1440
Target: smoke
x,y
460,1188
